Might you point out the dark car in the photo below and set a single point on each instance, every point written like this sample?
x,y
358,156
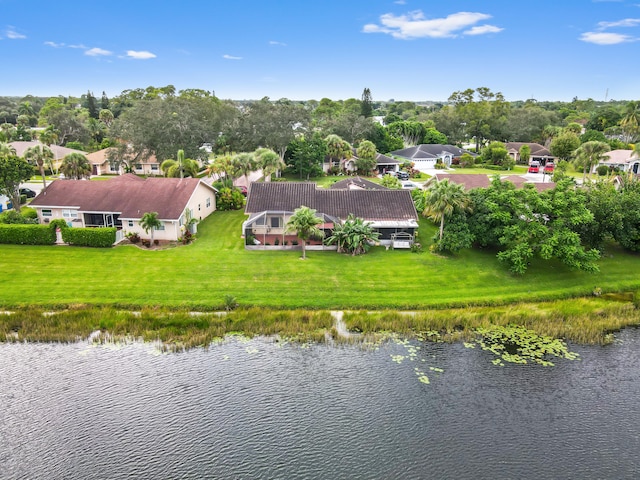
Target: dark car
x,y
403,176
27,192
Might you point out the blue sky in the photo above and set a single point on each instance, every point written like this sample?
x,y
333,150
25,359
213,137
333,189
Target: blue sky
x,y
247,49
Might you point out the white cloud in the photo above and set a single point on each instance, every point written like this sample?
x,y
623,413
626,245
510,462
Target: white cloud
x,y
141,55
483,29
280,44
400,2
81,46
98,52
231,57
604,38
627,22
54,44
415,25
13,35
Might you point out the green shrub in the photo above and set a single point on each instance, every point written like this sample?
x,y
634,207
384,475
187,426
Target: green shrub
x,y
13,217
90,237
30,213
21,234
229,199
602,170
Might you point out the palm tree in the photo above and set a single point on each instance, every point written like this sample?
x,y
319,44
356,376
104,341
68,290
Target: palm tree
x,y
269,161
76,166
354,236
442,199
630,123
339,149
305,223
181,167
49,136
6,149
39,155
244,163
150,222
589,154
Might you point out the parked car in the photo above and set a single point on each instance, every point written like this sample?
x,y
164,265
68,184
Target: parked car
x,y
402,176
549,167
534,167
410,185
243,189
27,192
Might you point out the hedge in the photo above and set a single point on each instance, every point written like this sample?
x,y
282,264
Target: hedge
x,y
89,237
21,234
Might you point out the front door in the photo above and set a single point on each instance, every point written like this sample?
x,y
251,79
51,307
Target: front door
x,y
108,220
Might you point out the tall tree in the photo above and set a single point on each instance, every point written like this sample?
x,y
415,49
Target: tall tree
x,y
40,155
589,154
13,171
150,222
481,111
525,154
180,168
244,163
366,108
564,145
366,153
338,149
442,199
305,223
306,156
75,166
269,161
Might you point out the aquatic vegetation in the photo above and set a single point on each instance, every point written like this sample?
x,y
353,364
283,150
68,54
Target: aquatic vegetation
x,y
516,344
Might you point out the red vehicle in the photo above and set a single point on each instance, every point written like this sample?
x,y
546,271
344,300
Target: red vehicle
x,y
534,167
548,168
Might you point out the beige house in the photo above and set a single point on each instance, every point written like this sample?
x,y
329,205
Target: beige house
x,y
624,160
122,201
102,164
58,152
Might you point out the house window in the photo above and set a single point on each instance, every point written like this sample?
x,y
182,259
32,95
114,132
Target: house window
x,y
154,168
113,167
138,166
261,221
275,222
69,213
130,223
161,227
198,207
208,202
46,213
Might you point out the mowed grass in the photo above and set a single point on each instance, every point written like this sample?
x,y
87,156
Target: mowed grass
x,y
199,276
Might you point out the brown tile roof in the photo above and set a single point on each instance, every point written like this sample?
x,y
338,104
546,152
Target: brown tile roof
x,y
58,151
468,180
537,150
128,195
352,183
373,205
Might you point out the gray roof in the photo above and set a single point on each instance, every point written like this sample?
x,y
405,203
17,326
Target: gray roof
x,y
128,195
58,151
372,205
352,183
428,150
537,150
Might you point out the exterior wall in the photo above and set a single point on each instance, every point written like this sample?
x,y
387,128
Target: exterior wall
x,y
171,230
198,202
58,213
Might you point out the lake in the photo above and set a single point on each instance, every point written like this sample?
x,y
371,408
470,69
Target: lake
x,y
248,409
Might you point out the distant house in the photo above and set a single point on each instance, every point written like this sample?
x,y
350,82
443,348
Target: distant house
x,y
471,180
384,163
539,153
102,164
624,160
58,152
270,205
122,201
425,156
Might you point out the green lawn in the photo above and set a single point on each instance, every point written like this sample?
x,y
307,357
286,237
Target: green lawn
x,y
201,274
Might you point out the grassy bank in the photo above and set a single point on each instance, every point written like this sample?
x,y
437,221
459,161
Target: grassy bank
x,y
584,320
199,276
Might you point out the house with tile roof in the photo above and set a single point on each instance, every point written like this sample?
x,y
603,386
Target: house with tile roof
x,y
425,156
122,201
384,163
624,160
539,153
270,205
356,183
104,162
58,152
471,180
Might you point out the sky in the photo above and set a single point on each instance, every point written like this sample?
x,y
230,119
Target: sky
x,y
249,49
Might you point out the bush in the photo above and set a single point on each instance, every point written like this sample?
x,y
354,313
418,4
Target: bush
x,y
11,217
21,234
29,213
90,237
602,170
229,199
133,237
